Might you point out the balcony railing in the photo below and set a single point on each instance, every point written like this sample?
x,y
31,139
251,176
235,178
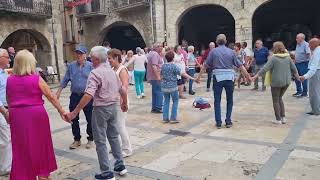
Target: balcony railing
x,y
125,5
95,8
36,8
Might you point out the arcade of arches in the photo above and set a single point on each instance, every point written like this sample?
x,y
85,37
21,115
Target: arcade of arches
x,y
33,41
123,36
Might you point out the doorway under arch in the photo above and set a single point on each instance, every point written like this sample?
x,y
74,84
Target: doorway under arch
x,y
282,20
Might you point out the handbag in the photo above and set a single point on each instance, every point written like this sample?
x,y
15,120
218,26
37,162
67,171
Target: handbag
x,y
268,79
201,103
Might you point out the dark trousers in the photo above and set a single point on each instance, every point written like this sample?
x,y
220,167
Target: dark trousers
x,y
209,72
278,105
74,101
218,87
302,70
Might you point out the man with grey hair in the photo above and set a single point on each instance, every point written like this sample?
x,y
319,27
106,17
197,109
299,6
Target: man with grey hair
x,y
5,140
105,88
302,57
261,55
153,76
222,61
314,77
78,72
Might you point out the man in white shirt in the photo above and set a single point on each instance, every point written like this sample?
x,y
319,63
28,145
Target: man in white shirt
x,y
314,77
5,140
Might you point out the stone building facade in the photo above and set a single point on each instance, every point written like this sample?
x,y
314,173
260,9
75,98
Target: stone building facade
x,y
28,25
198,21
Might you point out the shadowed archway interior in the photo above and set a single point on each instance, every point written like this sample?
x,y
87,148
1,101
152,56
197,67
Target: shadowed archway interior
x,y
200,25
124,36
281,20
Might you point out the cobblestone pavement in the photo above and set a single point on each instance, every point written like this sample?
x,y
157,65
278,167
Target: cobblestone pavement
x,y
253,149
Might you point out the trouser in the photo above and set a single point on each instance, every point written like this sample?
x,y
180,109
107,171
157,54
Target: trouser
x,y
314,92
228,85
5,146
157,96
257,68
191,73
278,105
139,77
174,111
209,72
131,77
122,129
74,101
104,125
302,70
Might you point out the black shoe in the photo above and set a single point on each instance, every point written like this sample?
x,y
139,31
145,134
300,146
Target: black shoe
x,y
121,170
192,92
184,89
313,114
108,176
218,126
303,95
229,125
156,111
296,95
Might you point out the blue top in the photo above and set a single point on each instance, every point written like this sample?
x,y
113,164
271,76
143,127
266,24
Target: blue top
x,y
223,60
261,55
169,73
302,52
78,76
3,86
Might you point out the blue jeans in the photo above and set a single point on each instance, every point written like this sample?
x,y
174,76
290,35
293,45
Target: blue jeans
x,y
157,96
302,70
175,98
191,73
217,89
74,101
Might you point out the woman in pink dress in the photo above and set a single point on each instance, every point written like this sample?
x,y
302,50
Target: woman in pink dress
x,y
32,148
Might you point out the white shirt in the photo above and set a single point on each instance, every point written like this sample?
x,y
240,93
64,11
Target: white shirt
x,y
314,63
248,52
178,60
139,61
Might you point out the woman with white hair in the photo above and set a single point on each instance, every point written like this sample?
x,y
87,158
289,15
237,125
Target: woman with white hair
x,y
32,148
128,63
139,71
192,63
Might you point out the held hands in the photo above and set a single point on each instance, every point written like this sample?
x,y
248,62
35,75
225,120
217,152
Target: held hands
x,y
68,116
302,78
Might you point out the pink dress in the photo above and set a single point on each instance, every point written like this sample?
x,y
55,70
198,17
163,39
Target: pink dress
x,y
32,149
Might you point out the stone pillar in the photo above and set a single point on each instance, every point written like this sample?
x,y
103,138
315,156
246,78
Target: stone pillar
x,y
158,20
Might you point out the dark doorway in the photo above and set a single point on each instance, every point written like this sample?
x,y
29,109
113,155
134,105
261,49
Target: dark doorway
x,y
282,20
201,25
124,36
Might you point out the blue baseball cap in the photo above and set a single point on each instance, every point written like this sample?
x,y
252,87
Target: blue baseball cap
x,y
81,49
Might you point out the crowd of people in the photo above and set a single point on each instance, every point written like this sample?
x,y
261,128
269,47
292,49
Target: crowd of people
x,y
100,85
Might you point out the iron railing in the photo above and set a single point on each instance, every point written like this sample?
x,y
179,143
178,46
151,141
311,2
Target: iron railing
x,y
120,5
94,8
38,8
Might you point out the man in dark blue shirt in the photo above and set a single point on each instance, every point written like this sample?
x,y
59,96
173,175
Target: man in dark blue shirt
x,y
77,73
261,54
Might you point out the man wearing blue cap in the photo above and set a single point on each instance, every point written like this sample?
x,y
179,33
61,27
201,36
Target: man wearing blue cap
x,y
78,72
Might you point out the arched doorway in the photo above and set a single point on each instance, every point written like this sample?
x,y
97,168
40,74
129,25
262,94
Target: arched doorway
x,y
123,36
33,41
201,24
281,20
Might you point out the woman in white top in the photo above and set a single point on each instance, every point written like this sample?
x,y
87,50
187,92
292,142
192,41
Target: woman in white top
x,y
179,61
139,71
114,57
128,63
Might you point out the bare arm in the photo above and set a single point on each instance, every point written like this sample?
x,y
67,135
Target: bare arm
x,y
50,96
83,102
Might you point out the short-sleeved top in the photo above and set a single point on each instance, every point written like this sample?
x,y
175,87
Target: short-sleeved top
x,y
139,61
261,55
192,61
153,59
222,58
302,51
179,61
104,86
169,73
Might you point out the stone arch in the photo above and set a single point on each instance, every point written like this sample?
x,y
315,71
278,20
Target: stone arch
x,y
200,33
288,18
175,13
32,40
127,34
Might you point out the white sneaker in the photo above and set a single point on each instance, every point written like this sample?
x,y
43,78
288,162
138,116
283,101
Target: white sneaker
x,y
138,97
142,95
276,122
283,120
126,154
